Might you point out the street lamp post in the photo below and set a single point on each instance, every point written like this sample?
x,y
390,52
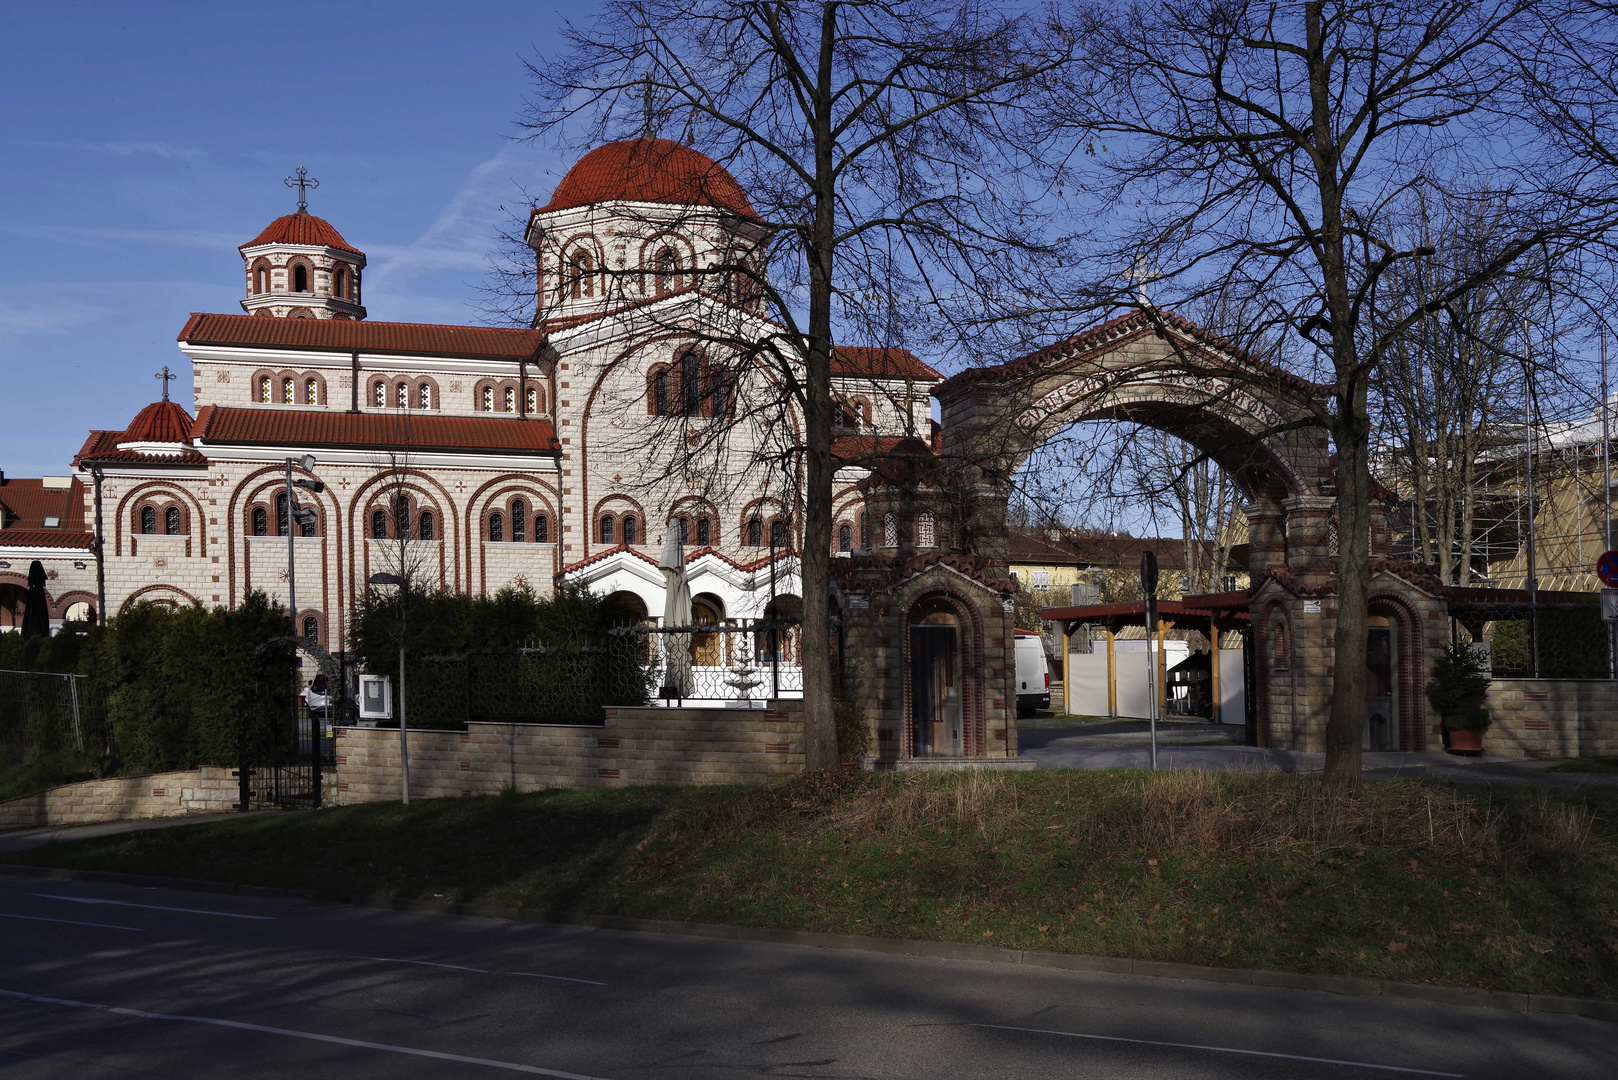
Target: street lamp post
x,y
383,578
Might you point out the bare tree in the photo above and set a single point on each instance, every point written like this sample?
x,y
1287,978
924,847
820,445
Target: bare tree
x,y
879,144
1262,148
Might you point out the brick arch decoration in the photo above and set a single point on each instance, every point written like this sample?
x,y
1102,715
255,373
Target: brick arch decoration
x,y
505,487
769,510
143,594
122,514
594,282
974,689
161,502
260,263
59,604
434,401
292,275
499,387
347,293
684,253
237,514
418,483
632,508
1412,669
695,506
300,390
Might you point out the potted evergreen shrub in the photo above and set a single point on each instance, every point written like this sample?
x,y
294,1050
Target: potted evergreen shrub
x,y
1460,681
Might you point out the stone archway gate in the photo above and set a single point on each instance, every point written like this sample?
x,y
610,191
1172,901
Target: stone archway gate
x,y
1257,422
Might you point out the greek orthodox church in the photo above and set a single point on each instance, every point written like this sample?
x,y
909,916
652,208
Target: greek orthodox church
x,y
471,457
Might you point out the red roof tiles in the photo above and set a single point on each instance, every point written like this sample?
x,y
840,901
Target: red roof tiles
x,y
649,170
302,228
345,335
26,503
50,538
383,431
159,422
102,448
880,363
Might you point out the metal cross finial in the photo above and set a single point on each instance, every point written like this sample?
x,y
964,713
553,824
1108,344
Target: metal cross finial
x,y
302,180
646,106
166,378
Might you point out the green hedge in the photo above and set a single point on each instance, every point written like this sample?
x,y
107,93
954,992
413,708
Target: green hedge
x,y
186,686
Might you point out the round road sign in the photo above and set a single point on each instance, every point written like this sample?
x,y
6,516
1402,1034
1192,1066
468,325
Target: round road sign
x,y
1607,568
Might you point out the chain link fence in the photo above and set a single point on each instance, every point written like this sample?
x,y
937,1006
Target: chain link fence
x,y
1554,640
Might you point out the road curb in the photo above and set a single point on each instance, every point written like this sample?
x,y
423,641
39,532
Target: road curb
x,y
1350,986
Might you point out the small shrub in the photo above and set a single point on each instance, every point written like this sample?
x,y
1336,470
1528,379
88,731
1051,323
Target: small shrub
x,y
1460,681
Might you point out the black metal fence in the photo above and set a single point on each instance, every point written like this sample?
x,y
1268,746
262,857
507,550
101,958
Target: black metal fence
x,y
742,663
43,712
1556,640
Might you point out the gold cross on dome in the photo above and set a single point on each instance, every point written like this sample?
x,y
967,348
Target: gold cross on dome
x,y
167,378
302,180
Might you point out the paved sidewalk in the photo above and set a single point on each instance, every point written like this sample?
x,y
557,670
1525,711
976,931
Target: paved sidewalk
x,y
1085,748
28,839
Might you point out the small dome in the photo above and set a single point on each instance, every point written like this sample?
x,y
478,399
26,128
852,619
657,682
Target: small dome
x,y
649,170
159,422
305,229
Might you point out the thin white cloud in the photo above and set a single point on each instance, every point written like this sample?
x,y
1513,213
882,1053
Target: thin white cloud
x,y
52,309
91,237
141,148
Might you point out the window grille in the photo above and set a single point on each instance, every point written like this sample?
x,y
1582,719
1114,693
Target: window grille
x,y
845,538
283,514
148,520
607,530
171,521
380,395
379,525
704,532
542,529
519,520
401,396
426,526
286,392
755,533
778,534
426,396
488,399
401,517
261,521
497,527
631,530
890,531
511,399
924,530
264,390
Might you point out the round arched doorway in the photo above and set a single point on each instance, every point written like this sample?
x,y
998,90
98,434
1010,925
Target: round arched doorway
x,y
935,680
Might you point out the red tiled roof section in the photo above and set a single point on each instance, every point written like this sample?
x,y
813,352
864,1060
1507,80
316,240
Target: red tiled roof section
x,y
880,363
344,335
102,447
302,229
649,170
28,502
159,422
381,431
51,538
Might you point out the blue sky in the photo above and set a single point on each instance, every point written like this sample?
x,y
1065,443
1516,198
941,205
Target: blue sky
x,y
143,141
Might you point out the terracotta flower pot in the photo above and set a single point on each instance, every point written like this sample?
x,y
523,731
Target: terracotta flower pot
x,y
1465,742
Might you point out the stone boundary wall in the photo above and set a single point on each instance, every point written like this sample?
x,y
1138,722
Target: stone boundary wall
x,y
634,746
122,798
1552,718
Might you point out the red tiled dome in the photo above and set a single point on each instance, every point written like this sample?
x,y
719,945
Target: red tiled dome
x,y
159,422
649,170
302,229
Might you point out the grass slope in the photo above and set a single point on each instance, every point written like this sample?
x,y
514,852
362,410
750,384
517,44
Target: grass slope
x,y
1411,880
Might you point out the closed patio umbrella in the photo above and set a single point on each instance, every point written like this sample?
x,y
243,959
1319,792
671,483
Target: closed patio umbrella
x,y
36,617
676,612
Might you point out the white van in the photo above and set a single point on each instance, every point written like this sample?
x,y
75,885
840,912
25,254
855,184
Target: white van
x,y
1033,676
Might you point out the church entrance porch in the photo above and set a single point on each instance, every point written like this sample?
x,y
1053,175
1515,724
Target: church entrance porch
x,y
935,698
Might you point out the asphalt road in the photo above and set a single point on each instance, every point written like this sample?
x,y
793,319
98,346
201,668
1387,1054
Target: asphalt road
x,y
102,981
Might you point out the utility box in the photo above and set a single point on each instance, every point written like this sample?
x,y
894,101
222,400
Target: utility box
x,y
376,697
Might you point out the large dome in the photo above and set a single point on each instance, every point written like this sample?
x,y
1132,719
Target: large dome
x,y
649,170
302,228
160,422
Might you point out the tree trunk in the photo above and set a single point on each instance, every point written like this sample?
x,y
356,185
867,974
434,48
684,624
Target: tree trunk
x,y
820,735
1345,726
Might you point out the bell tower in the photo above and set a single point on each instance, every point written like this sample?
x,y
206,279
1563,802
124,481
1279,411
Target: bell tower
x,y
300,267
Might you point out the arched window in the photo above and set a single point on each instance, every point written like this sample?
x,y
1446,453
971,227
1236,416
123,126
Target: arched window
x,y
311,392
286,392
261,521
424,525
488,399
630,530
607,530
261,281
264,390
690,388
864,524
340,284
890,531
778,533
401,396
424,394
379,394
533,400
682,525
704,532
311,627
511,399
542,529
580,269
148,520
281,514
924,530
668,271
845,538
660,393
519,520
717,403
755,533
171,521
401,517
379,524
312,526
300,279
497,527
